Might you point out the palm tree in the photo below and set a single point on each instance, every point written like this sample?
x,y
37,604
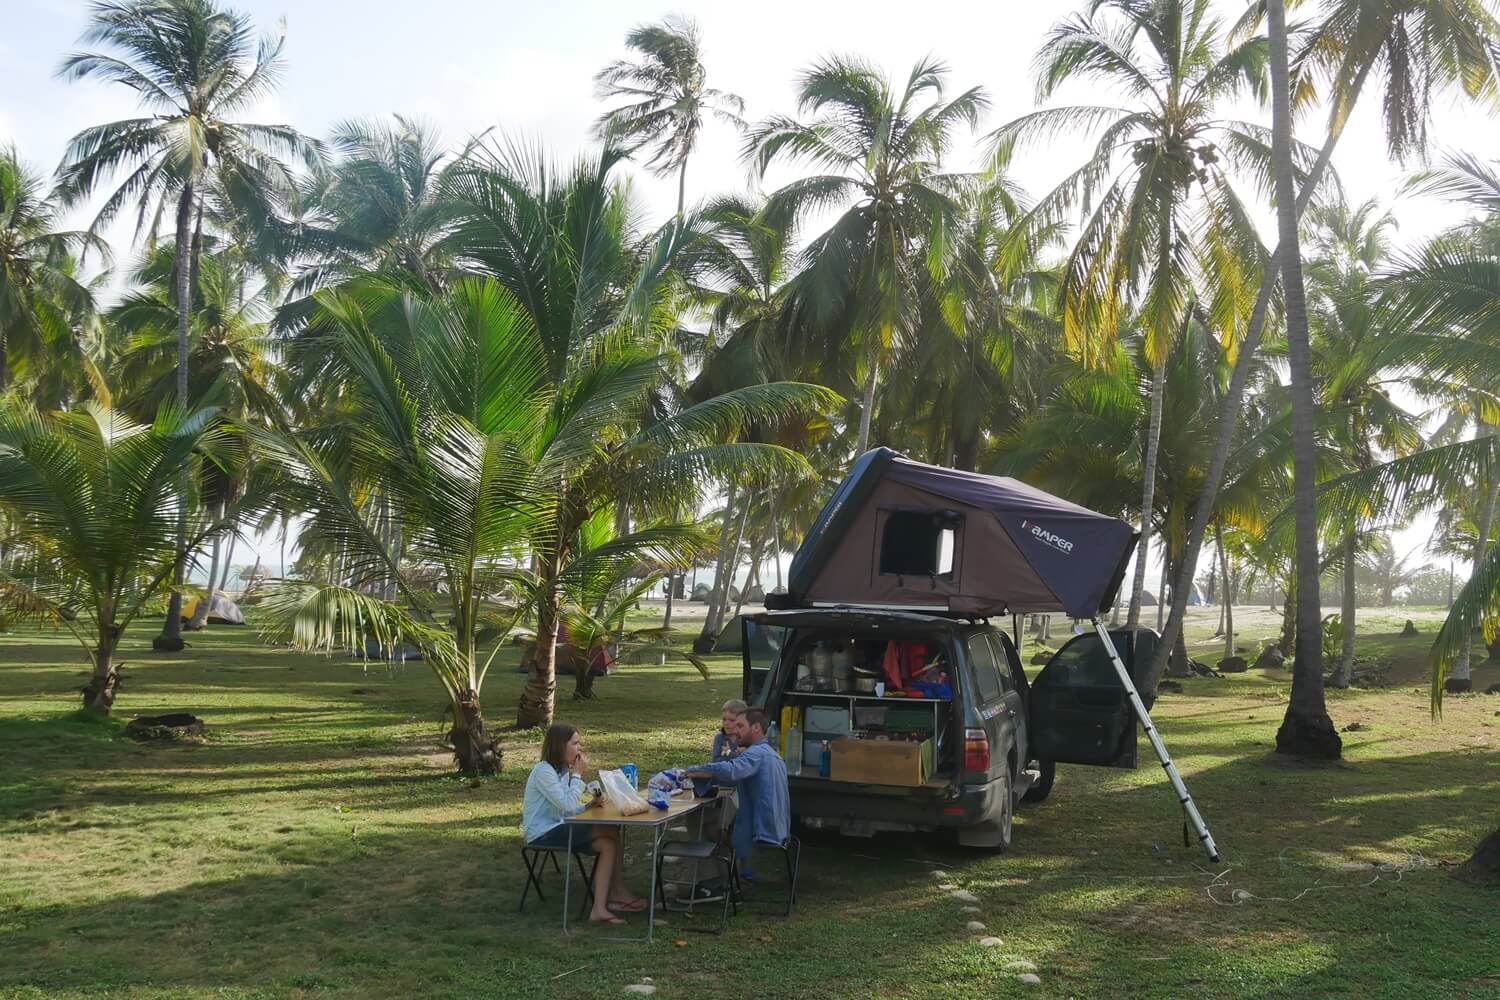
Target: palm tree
x,y
1161,218
1307,730
667,97
42,301
380,206
441,409
191,64
603,303
882,157
1351,353
91,496
1421,47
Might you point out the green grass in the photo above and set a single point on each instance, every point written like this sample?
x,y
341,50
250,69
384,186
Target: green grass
x,y
317,844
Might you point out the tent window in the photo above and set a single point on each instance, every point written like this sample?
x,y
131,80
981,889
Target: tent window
x,y
919,543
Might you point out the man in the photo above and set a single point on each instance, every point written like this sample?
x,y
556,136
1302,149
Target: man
x,y
759,774
718,816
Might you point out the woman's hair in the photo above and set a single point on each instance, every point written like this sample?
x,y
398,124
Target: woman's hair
x,y
735,707
555,744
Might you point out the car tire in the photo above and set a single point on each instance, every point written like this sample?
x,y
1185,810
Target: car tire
x,y
1007,813
1042,787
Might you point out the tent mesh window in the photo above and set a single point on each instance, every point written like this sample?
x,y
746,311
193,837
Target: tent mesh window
x,y
919,543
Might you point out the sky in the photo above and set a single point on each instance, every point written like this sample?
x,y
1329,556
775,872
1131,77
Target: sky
x,y
526,69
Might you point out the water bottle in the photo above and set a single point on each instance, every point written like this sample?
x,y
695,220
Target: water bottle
x,y
794,750
825,760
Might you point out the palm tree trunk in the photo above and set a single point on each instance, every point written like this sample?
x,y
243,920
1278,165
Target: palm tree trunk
x,y
1307,730
539,696
1148,496
104,683
721,561
474,752
170,639
1228,592
1460,678
1345,672
1288,642
4,359
200,613
1229,409
866,408
1161,590
682,187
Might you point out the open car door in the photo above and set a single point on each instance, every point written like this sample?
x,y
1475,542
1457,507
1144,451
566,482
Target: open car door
x,y
1079,712
760,645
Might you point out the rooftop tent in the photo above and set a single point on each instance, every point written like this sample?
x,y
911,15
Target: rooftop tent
x,y
221,610
898,533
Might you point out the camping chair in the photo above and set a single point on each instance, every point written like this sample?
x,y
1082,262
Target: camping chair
x,y
791,852
535,859
694,851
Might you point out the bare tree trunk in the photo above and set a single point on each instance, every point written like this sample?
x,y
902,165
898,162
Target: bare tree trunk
x,y
1288,641
750,581
682,187
726,527
1307,729
1229,409
724,581
170,639
1148,495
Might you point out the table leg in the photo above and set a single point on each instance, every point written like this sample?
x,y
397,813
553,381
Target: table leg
x,y
651,910
567,877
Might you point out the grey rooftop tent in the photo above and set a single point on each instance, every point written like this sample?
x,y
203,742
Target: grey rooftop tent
x,y
901,534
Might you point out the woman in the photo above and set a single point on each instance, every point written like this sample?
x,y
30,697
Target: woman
x,y
554,791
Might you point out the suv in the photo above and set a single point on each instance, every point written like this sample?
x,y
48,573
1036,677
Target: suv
x,y
995,741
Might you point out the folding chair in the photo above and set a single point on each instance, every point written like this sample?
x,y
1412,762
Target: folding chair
x,y
694,851
791,851
535,859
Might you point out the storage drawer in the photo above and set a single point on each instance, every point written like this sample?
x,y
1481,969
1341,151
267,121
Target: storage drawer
x,y
832,719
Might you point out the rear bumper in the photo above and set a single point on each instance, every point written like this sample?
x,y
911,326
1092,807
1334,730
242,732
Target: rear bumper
x,y
888,807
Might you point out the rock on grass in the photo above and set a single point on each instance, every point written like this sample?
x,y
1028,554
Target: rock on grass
x,y
964,896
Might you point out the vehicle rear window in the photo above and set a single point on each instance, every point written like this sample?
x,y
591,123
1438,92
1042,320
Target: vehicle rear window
x,y
986,672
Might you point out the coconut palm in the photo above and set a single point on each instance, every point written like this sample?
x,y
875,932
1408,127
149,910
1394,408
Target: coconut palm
x,y
1351,355
380,205
1418,49
1161,218
92,498
667,98
602,300
42,301
193,65
880,152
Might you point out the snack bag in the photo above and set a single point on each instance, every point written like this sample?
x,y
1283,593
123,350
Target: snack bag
x,y
619,793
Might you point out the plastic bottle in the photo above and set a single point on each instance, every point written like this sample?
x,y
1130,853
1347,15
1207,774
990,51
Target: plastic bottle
x,y
794,750
825,761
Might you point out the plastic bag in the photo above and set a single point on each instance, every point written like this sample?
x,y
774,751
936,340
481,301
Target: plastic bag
x,y
658,797
619,793
669,781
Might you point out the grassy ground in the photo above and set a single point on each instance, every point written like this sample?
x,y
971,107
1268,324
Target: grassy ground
x,y
317,844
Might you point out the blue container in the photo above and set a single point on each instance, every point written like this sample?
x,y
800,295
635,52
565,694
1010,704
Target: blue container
x,y
631,775
825,760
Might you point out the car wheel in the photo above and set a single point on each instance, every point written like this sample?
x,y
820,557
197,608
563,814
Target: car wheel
x,y
1042,787
1007,812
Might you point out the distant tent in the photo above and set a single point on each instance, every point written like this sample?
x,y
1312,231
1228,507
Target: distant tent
x,y
375,651
1148,599
221,610
1195,598
569,658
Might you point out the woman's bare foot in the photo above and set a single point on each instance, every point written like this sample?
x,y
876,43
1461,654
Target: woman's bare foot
x,y
632,904
606,918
